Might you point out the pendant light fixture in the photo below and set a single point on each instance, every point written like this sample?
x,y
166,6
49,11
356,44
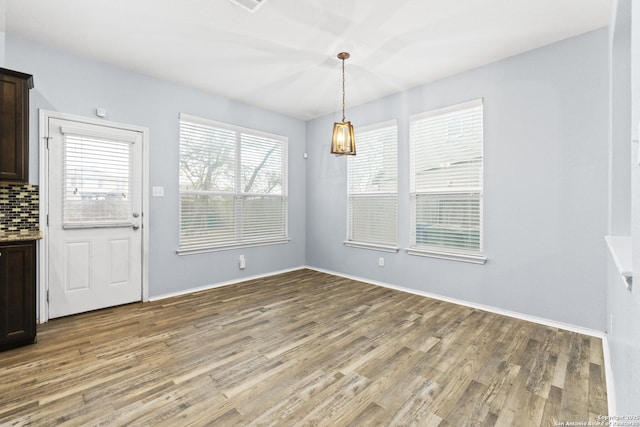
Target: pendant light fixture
x,y
343,140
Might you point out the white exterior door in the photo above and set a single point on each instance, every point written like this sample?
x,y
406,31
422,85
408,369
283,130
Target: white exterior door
x,y
94,216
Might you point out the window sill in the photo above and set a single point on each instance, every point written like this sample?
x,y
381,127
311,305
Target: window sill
x,y
372,246
451,256
620,248
211,248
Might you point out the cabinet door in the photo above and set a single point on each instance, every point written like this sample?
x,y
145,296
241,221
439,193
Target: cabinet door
x,y
14,122
17,293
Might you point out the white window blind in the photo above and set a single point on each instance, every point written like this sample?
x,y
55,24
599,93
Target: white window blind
x,y
233,186
372,177
446,179
97,184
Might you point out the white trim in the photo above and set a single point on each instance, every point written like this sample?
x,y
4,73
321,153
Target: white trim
x,y
372,246
620,249
379,125
539,320
97,224
238,195
478,102
608,373
390,246
414,193
229,126
145,214
451,256
226,283
113,134
43,254
560,325
45,115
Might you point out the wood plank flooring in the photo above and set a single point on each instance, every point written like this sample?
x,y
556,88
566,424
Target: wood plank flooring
x,y
301,348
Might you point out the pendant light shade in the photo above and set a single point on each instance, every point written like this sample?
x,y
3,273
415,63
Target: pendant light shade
x,y
343,140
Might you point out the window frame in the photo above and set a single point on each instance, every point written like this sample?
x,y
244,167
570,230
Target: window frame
x,y
237,194
385,247
113,136
443,252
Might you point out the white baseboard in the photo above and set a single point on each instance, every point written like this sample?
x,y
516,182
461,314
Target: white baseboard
x,y
611,398
608,373
221,284
491,309
539,320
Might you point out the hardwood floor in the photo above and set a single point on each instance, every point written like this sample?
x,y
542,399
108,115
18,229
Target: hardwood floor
x,y
301,348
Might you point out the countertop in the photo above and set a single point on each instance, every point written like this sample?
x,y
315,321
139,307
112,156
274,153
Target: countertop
x,y
20,236
620,247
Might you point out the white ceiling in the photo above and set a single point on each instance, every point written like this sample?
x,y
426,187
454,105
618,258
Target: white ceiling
x,y
283,56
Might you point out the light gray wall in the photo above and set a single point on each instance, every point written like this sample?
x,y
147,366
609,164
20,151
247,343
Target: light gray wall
x,y
3,8
545,186
623,307
620,122
75,85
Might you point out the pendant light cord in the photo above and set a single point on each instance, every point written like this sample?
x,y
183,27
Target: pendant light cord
x,y
343,91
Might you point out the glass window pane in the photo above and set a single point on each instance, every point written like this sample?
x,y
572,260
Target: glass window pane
x,y
373,219
448,220
372,177
446,178
263,217
207,158
205,218
97,183
261,161
233,187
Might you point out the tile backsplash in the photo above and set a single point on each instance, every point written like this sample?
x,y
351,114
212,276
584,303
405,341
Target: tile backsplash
x,y
19,208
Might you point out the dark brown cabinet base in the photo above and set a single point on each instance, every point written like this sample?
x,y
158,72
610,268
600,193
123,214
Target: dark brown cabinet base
x,y
17,294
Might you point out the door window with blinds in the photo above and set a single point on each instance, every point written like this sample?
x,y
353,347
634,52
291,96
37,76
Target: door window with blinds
x,y
446,189
97,180
372,177
233,186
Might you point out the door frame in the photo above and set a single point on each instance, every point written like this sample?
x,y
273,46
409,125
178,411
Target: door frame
x,y
43,169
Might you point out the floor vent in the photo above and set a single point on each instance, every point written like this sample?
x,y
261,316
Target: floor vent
x,y
250,5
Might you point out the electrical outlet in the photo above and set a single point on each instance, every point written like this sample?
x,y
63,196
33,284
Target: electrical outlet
x,y
157,191
381,262
242,263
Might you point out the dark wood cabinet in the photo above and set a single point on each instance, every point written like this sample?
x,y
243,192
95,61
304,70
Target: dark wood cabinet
x,y
14,125
17,294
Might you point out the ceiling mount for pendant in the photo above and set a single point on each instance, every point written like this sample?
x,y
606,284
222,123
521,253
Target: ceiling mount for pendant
x,y
250,5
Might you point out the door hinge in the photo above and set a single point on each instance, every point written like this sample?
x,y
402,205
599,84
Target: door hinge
x,y
47,220
47,296
48,138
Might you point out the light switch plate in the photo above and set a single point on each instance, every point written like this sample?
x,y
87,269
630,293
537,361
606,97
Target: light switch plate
x,y
157,191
